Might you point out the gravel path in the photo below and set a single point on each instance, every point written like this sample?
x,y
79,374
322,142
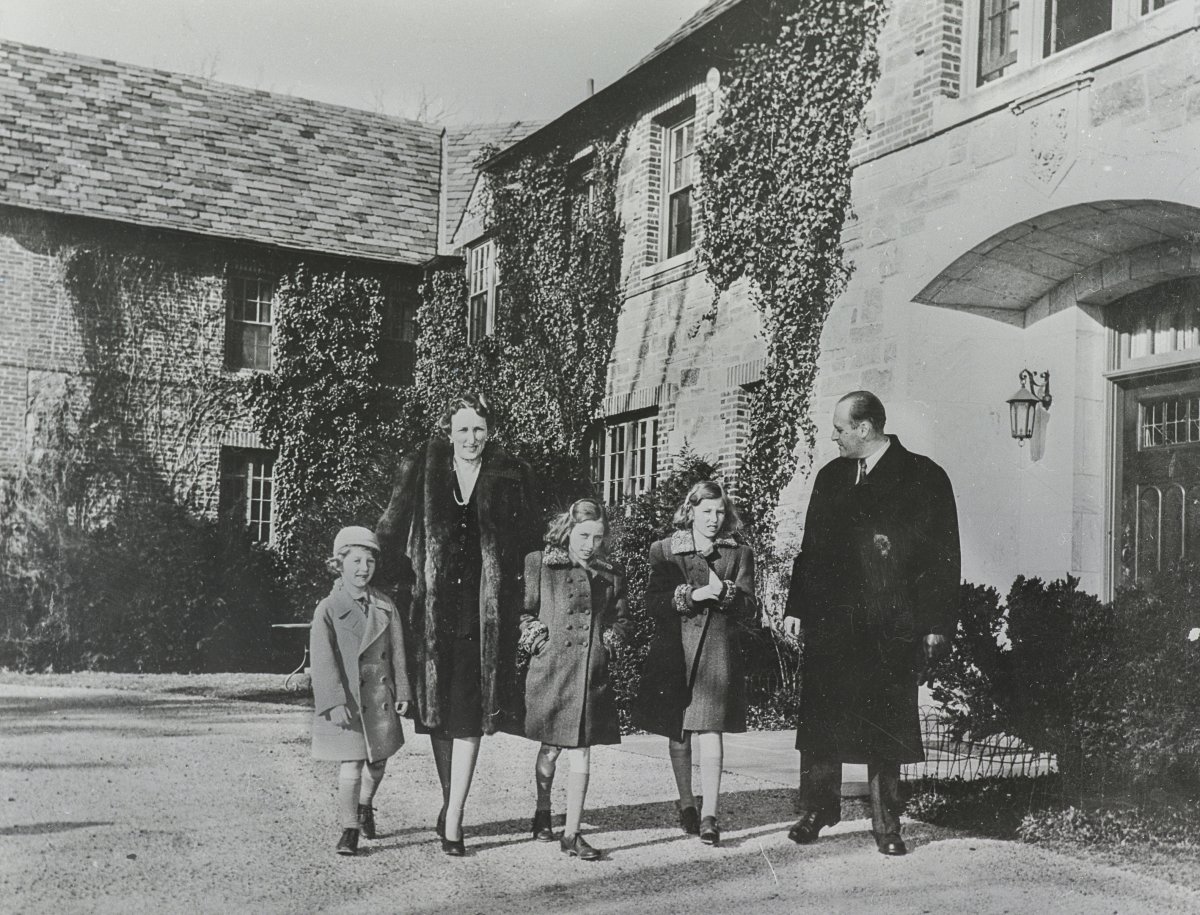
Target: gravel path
x,y
128,802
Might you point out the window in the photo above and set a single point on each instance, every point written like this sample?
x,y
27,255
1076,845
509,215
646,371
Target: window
x,y
1068,22
581,191
1169,421
398,343
1020,32
1159,325
625,457
482,291
997,38
679,154
247,493
248,323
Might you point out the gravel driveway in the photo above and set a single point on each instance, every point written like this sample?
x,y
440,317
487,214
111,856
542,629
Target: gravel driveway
x,y
130,802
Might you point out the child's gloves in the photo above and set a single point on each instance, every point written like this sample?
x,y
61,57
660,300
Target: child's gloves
x,y
534,634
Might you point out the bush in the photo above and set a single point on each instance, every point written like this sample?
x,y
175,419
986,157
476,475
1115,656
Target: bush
x,y
1113,690
158,590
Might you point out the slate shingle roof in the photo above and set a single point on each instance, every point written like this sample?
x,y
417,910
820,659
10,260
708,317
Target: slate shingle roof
x,y
115,141
463,145
690,26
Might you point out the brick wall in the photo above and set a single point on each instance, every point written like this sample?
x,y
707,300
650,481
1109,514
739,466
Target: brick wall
x,y
172,449
920,56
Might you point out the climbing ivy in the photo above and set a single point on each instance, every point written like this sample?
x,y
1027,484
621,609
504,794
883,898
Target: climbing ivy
x,y
558,239
776,193
329,410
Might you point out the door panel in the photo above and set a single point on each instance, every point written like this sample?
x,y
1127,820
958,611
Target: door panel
x,y
1160,485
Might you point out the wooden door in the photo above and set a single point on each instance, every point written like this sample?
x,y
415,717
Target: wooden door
x,y
1160,473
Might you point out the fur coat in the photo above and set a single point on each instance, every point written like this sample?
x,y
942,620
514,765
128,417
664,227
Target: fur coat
x,y
415,534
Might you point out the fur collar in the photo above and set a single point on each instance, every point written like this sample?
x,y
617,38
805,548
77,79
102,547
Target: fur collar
x,y
555,557
682,542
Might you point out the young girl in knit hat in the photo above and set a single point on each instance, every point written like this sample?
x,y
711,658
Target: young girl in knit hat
x,y
359,681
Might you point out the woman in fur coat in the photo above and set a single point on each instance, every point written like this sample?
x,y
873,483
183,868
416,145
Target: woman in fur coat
x,y
700,595
454,536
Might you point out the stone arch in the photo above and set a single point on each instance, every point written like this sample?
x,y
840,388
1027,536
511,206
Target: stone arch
x,y
1091,253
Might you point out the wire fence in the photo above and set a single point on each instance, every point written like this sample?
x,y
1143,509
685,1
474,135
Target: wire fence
x,y
997,756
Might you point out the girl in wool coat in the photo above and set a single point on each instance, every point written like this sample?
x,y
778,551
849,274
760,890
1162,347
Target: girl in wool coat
x,y
576,617
359,681
700,595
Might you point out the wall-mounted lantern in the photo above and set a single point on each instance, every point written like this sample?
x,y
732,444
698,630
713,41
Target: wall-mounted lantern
x,y
1022,406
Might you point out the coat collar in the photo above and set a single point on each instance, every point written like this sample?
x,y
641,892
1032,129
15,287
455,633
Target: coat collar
x,y
349,612
682,542
555,557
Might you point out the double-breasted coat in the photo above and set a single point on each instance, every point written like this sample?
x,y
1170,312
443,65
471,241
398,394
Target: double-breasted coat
x,y
417,535
569,700
878,570
694,677
357,660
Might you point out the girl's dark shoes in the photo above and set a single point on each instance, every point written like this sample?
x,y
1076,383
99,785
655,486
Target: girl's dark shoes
x,y
689,819
348,843
453,847
576,846
541,826
366,821
709,833
440,828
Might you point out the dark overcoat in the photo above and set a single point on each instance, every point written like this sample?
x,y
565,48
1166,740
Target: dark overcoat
x,y
358,660
569,701
415,536
694,677
878,570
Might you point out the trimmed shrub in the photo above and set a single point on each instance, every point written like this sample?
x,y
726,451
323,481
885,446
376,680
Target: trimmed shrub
x,y
1113,690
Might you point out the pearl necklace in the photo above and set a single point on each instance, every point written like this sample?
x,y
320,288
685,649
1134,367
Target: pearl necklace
x,y
465,472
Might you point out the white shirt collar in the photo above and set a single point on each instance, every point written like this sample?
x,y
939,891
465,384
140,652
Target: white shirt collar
x,y
874,458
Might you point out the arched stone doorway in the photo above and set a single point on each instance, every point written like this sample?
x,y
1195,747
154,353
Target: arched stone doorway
x,y
1105,296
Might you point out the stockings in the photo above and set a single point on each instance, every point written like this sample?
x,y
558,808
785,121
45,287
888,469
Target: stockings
x,y
580,759
712,759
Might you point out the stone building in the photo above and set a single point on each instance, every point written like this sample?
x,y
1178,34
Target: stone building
x,y
223,190
1025,189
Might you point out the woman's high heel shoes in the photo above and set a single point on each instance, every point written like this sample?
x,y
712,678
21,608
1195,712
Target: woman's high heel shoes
x,y
440,828
453,847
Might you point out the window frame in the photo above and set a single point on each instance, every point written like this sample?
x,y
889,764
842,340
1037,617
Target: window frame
x,y
251,470
237,322
669,249
1027,41
398,334
623,474
483,284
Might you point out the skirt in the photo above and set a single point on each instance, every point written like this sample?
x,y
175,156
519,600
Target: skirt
x,y
463,698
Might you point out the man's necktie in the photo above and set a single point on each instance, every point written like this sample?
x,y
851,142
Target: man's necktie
x,y
362,602
862,472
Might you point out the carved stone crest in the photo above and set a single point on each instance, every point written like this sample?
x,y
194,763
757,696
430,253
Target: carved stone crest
x,y
1051,133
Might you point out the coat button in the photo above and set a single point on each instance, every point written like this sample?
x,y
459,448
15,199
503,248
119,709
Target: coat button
x,y
567,643
383,679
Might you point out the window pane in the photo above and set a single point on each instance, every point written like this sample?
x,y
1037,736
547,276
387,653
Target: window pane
x,y
997,37
679,229
1068,22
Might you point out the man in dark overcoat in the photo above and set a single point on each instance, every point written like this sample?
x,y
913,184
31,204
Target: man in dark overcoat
x,y
874,595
